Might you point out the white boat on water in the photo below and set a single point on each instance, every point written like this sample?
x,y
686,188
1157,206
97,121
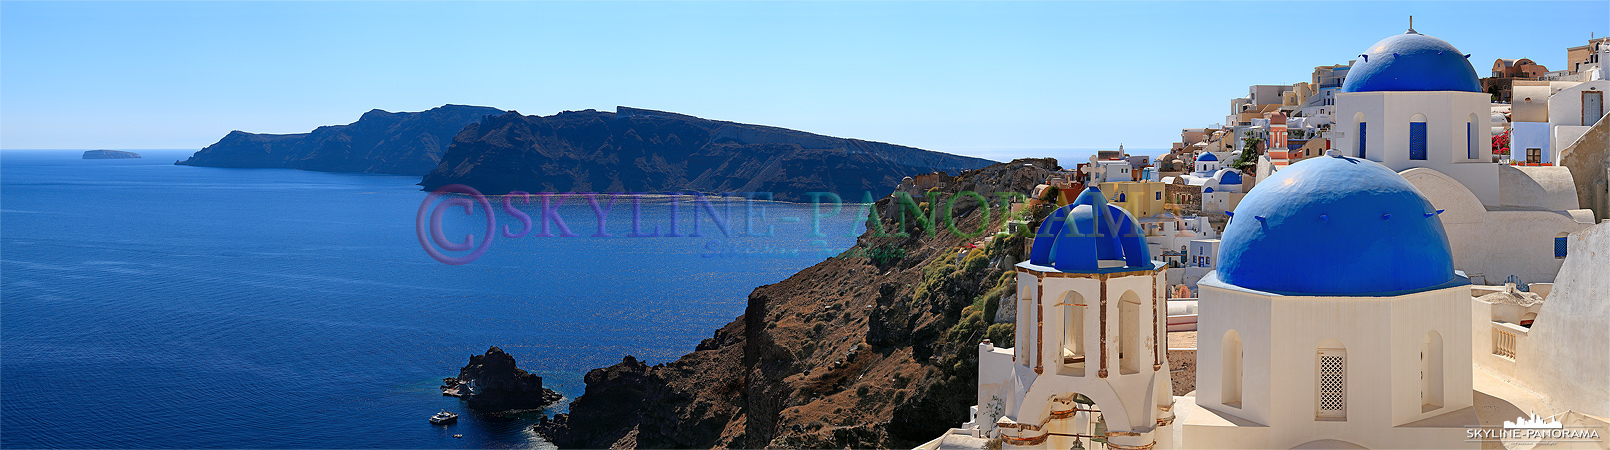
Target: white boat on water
x,y
443,417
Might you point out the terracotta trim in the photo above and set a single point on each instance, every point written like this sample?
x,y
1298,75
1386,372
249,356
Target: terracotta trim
x,y
1157,358
1021,426
1122,433
1039,324
1112,446
1102,276
1024,441
1103,335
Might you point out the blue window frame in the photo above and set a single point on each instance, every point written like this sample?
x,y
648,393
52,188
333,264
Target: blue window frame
x,y
1559,247
1417,140
1470,140
1159,195
1361,153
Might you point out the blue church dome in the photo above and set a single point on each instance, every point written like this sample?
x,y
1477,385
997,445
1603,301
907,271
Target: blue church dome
x,y
1208,157
1411,62
1336,226
1227,176
1100,232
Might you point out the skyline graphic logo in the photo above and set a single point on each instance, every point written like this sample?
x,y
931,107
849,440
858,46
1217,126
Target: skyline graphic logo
x,y
1533,422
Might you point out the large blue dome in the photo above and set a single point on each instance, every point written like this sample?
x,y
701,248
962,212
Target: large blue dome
x,y
1099,232
1336,226
1412,62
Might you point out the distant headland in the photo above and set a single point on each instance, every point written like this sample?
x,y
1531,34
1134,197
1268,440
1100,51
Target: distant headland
x,y
109,154
401,143
629,150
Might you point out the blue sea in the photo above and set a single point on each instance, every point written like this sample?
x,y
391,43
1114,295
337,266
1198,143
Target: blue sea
x,y
149,305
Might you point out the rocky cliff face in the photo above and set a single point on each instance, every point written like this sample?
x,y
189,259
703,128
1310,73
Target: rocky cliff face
x,y
876,348
406,143
637,150
497,385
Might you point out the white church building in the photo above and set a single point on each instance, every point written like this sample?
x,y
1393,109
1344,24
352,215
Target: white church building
x,y
1413,103
1089,358
1368,344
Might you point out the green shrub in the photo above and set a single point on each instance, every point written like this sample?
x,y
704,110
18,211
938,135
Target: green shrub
x,y
971,327
976,261
1002,334
1050,194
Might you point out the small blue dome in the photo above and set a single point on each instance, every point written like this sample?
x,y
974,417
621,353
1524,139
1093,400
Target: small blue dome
x,y
1101,232
1208,157
1411,62
1336,226
1228,176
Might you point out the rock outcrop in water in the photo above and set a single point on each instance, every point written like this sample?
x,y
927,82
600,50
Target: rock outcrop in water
x,y
639,150
875,348
496,384
404,143
109,154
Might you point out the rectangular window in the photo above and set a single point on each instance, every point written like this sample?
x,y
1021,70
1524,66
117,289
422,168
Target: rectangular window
x,y
1559,247
1534,155
1331,397
1361,139
1159,195
1470,140
1417,141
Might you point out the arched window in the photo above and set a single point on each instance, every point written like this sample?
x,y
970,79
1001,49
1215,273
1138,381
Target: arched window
x,y
1073,333
1230,391
1431,372
1129,335
1330,393
1470,138
1417,137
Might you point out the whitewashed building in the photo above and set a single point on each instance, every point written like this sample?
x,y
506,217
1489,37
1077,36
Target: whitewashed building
x,y
1089,360
1413,103
1334,316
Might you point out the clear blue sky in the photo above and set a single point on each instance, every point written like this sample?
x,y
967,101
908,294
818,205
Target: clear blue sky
x,y
965,77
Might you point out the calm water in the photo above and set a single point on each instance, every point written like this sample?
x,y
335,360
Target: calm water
x,y
152,305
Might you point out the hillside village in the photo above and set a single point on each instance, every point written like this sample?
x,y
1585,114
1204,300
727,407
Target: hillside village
x,y
1183,199
1395,253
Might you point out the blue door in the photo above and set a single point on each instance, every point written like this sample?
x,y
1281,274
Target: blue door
x,y
1417,140
1361,139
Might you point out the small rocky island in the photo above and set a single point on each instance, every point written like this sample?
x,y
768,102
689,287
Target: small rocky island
x,y
492,383
109,154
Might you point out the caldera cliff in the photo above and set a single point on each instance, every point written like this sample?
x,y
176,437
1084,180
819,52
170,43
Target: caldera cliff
x,y
639,150
874,348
